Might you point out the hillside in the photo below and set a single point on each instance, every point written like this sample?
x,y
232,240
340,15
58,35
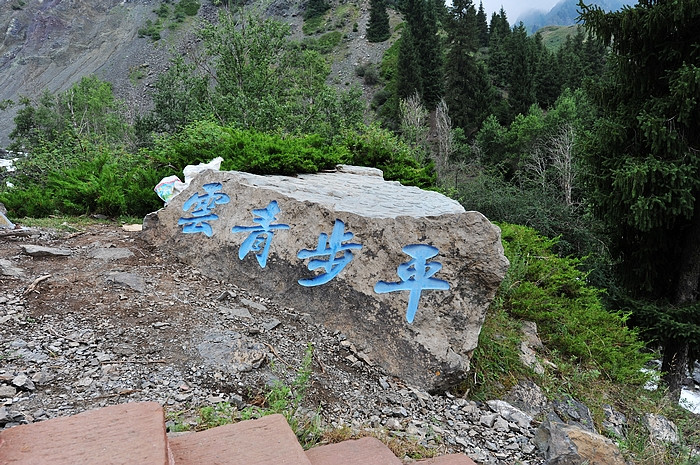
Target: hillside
x,y
51,45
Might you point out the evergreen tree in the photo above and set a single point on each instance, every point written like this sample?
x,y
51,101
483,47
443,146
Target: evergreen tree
x,y
408,78
420,66
431,53
520,77
645,162
547,80
316,8
499,31
482,26
378,27
469,94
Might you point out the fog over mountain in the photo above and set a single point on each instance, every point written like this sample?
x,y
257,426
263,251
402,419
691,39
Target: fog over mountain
x,y
563,13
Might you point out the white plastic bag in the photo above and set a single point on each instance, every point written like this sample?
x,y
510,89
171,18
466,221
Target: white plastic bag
x,y
171,186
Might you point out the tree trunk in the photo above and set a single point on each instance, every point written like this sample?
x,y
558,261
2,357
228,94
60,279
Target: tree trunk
x,y
673,366
675,359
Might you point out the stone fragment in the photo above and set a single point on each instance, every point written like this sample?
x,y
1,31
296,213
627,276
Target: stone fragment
x,y
236,312
5,223
374,221
39,251
128,280
23,382
661,428
510,413
573,412
8,269
7,391
570,445
528,397
615,422
271,324
232,351
254,305
111,253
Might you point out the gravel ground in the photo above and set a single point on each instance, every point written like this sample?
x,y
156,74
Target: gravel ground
x,y
103,318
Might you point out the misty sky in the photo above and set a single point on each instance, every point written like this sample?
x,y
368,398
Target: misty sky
x,y
514,7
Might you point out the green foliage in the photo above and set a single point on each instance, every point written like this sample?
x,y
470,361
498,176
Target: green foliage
x,y
260,80
315,25
87,110
250,151
324,44
187,7
552,291
316,8
151,29
379,148
222,413
286,399
378,29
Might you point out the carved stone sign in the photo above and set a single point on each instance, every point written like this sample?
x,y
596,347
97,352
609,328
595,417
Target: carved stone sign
x,y
404,273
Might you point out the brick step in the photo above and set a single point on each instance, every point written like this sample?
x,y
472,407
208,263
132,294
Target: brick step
x,y
117,435
265,441
134,434
371,451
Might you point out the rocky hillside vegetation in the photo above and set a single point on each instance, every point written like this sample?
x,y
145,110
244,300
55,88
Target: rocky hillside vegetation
x,y
51,45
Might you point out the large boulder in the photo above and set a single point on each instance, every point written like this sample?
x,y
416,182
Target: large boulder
x,y
405,274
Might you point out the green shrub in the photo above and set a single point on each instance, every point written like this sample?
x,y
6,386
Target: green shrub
x,y
244,150
551,291
379,148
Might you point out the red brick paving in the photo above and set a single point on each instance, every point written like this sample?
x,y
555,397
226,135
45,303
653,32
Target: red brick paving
x,y
131,434
266,441
134,434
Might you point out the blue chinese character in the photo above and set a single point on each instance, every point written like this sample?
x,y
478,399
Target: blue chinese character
x,y
260,235
203,205
333,265
415,276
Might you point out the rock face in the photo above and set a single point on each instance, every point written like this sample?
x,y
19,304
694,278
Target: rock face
x,y
406,275
564,444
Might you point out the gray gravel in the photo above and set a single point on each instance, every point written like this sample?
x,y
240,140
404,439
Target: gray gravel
x,y
112,327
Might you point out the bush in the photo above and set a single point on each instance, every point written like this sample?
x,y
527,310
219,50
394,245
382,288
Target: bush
x,y
379,148
551,291
247,150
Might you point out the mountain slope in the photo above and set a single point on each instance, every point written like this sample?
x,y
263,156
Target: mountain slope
x,y
51,44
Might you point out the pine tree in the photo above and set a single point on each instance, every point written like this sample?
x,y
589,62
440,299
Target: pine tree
x,y
469,94
420,67
482,26
645,160
547,78
378,27
520,77
499,30
408,77
431,54
316,8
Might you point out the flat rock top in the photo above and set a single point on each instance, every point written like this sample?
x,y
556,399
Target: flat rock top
x,y
365,195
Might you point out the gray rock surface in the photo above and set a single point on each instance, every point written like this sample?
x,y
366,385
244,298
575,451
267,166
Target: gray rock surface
x,y
40,251
433,350
8,269
111,253
661,428
564,444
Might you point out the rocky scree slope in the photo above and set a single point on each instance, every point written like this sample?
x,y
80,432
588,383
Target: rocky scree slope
x,y
100,318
